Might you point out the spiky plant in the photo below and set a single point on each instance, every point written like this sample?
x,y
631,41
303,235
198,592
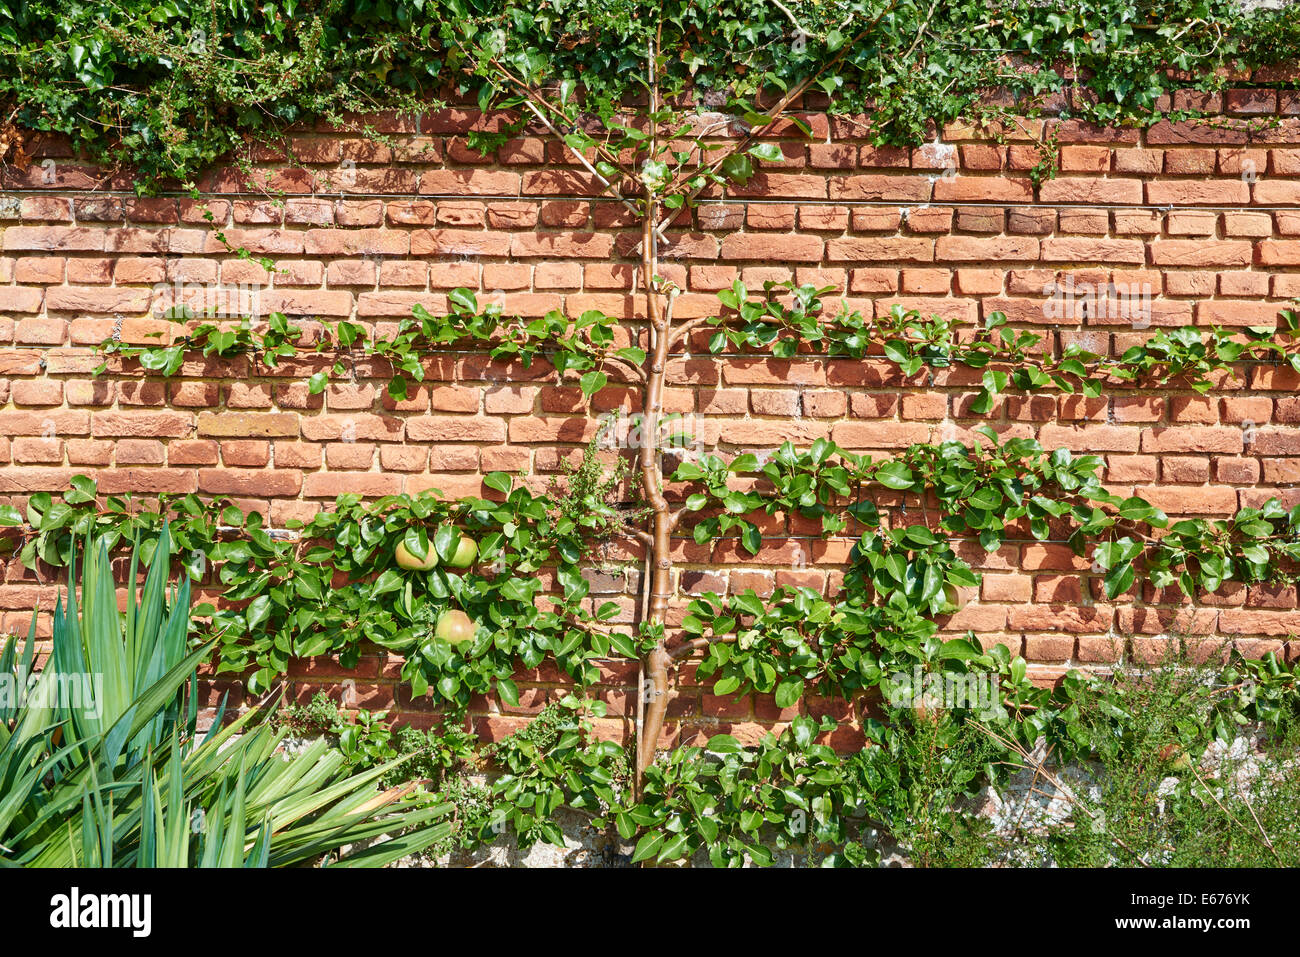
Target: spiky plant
x,y
102,765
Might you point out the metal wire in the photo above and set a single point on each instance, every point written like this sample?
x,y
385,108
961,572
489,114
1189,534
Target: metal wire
x,y
578,197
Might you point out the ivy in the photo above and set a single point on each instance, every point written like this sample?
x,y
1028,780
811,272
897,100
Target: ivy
x,y
170,89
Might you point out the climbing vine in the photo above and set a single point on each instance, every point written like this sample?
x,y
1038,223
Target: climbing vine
x,y
169,89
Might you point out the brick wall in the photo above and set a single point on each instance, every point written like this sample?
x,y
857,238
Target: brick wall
x,y
1193,223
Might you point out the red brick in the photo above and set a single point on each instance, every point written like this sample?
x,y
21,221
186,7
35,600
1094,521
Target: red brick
x,y
1186,252
964,189
1067,189
794,248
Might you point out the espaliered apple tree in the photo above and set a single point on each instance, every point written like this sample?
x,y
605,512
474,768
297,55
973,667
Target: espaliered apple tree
x,y
656,159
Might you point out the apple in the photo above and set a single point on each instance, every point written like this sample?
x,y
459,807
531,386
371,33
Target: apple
x,y
953,598
406,558
455,626
466,552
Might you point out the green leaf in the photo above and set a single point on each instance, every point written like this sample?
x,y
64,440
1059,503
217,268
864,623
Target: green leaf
x,y
258,610
500,481
445,542
463,300
648,846
960,649
508,692
789,691
416,540
895,475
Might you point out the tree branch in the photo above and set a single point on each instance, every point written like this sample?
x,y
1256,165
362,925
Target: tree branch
x,y
774,115
532,99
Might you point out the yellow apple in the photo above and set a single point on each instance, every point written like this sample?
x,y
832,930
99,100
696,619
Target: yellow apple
x,y
455,626
406,558
466,552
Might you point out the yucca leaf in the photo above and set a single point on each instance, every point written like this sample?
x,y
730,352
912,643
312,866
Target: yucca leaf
x,y
232,854
146,706
403,845
261,851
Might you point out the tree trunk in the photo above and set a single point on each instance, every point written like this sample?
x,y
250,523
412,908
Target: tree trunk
x,y
651,467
